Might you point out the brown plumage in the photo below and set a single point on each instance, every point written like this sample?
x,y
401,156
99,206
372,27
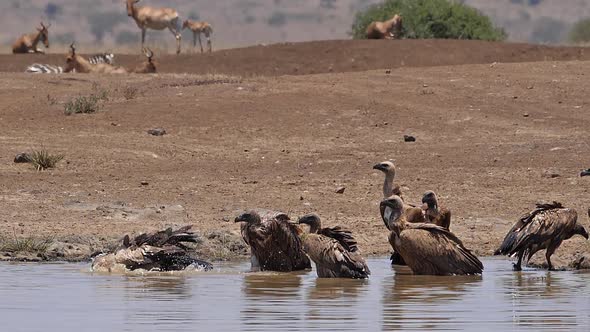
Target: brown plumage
x,y
274,241
546,227
160,251
434,213
333,250
427,248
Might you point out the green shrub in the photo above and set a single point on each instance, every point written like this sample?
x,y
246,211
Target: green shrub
x,y
580,32
82,104
430,19
42,159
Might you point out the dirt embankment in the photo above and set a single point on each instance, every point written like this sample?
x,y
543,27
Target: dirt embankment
x,y
330,56
491,141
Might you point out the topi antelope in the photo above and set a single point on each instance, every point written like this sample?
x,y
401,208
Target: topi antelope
x,y
197,28
27,43
156,19
148,66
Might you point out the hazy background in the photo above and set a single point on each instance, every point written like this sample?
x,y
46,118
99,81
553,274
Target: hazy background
x,y
247,22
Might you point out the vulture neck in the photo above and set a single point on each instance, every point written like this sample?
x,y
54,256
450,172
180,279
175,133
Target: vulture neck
x,y
314,227
388,185
399,225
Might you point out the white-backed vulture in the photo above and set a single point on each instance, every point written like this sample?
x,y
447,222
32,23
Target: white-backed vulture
x,y
333,250
159,251
546,227
427,248
274,241
434,213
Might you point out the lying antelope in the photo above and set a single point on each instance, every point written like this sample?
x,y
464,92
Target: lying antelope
x,y
27,43
78,64
390,29
197,28
156,19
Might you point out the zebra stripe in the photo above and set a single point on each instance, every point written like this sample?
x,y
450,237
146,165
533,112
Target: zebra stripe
x,y
108,58
38,68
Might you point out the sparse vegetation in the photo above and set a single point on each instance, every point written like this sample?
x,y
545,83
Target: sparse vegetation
x,y
42,159
29,245
580,32
430,19
82,104
130,92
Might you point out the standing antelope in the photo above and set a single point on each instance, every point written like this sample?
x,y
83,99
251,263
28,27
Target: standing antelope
x,y
390,29
197,28
27,43
156,19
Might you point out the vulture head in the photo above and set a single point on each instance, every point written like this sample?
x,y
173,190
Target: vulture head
x,y
313,220
395,205
251,217
429,198
585,172
386,167
580,230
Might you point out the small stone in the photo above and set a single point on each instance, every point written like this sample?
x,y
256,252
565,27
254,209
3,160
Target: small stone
x,y
388,71
226,219
409,138
22,158
551,175
530,87
157,132
144,183
340,190
301,198
526,115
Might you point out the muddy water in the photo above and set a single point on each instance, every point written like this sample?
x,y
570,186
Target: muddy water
x,y
65,297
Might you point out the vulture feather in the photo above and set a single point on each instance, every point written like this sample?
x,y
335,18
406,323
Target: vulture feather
x,y
333,250
274,241
546,227
159,251
427,248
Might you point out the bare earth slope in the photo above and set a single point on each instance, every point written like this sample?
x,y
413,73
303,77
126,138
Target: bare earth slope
x,y
491,140
329,56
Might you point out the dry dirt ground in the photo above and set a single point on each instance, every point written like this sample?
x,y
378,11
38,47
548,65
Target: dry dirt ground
x,y
491,141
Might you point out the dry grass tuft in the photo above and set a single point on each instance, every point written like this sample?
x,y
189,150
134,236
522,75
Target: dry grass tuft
x,y
42,159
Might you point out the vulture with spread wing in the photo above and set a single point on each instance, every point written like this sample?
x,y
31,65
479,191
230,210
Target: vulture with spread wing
x,y
333,250
427,248
160,251
546,227
274,241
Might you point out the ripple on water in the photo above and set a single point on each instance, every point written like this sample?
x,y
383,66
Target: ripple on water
x,y
66,297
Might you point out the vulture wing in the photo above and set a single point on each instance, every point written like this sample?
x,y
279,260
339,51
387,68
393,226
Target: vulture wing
x,y
333,260
433,250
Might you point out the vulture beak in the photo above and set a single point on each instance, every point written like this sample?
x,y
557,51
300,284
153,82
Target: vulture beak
x,y
380,167
585,172
240,218
584,234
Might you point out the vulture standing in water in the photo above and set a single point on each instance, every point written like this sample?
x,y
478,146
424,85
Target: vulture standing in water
x,y
435,213
543,228
412,213
160,251
427,248
274,241
333,250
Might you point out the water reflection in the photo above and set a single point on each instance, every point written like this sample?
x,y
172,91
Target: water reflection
x,y
411,301
60,297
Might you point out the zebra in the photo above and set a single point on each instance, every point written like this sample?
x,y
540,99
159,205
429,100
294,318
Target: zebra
x,y
108,58
38,68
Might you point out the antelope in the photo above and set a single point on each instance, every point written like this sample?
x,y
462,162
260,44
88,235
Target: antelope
x,y
27,43
197,28
390,29
155,19
78,64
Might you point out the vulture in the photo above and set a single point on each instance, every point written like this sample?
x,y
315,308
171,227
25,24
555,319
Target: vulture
x,y
545,227
427,248
435,213
274,241
160,251
333,250
412,213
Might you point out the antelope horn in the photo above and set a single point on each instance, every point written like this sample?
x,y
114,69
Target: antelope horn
x,y
73,48
148,53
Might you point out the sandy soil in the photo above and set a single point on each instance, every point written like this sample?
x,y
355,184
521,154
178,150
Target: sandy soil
x,y
491,141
